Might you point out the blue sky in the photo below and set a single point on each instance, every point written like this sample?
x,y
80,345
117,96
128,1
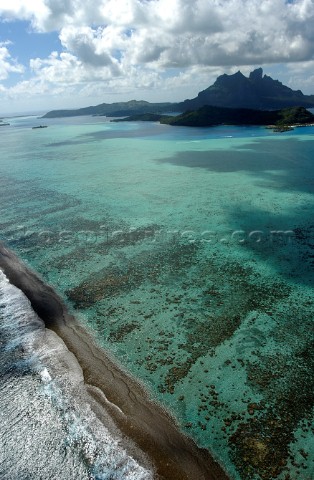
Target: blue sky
x,y
72,53
26,43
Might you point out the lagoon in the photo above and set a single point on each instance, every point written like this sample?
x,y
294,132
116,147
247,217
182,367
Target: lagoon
x,y
188,252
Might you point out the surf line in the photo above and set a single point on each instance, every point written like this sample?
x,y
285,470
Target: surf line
x,y
150,428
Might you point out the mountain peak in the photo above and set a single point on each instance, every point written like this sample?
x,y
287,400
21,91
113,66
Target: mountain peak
x,y
258,91
230,80
257,74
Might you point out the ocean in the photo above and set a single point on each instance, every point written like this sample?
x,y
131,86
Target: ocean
x,y
188,253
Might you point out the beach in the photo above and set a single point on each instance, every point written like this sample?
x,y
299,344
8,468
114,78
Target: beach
x,y
151,433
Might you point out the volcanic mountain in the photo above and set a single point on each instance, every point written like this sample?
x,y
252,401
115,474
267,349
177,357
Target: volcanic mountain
x,y
257,91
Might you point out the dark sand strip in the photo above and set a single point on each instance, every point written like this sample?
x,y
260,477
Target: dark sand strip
x,y
148,425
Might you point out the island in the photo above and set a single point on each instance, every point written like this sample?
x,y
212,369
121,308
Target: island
x,y
142,117
209,116
257,92
118,109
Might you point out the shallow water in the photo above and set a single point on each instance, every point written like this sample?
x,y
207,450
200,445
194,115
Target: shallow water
x,y
190,253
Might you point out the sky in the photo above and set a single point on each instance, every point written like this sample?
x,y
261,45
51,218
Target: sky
x,y
75,53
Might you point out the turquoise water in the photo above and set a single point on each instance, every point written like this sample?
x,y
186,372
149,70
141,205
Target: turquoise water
x,y
189,252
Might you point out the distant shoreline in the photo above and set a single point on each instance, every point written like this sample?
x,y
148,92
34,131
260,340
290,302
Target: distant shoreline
x,y
173,455
210,116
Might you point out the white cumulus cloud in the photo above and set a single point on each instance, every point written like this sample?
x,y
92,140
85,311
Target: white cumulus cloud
x,y
132,44
7,63
207,32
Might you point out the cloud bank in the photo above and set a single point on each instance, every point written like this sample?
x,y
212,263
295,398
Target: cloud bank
x,y
148,43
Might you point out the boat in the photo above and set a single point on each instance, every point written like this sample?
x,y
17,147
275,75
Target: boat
x,y
40,126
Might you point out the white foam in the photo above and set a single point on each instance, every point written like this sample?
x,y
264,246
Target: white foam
x,y
53,397
45,376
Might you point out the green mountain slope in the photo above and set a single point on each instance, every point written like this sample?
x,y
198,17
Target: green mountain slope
x,y
119,109
209,116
